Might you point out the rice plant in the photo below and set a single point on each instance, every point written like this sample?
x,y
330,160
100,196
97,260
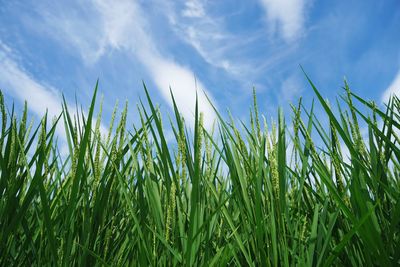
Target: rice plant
x,y
258,194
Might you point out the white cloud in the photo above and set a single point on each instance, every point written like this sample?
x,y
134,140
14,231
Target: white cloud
x,y
207,35
64,23
18,83
193,9
182,82
286,16
165,72
393,89
121,25
291,88
41,98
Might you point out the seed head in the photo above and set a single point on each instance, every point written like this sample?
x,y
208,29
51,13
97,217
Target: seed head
x,y
114,113
13,155
3,115
170,211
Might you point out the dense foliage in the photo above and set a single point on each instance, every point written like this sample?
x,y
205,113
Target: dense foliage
x,y
322,190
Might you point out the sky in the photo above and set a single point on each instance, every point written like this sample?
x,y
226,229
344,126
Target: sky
x,y
221,48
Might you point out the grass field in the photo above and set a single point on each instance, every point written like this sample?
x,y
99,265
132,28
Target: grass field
x,y
250,195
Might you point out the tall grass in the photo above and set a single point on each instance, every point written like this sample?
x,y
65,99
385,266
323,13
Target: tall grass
x,y
251,195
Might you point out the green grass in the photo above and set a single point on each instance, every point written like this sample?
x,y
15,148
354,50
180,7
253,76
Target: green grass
x,y
251,195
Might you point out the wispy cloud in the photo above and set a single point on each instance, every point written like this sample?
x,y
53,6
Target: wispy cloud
x,y
166,72
286,17
393,89
41,98
19,84
208,36
291,88
120,25
193,9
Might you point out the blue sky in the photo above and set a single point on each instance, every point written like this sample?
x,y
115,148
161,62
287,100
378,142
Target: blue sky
x,y
224,47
